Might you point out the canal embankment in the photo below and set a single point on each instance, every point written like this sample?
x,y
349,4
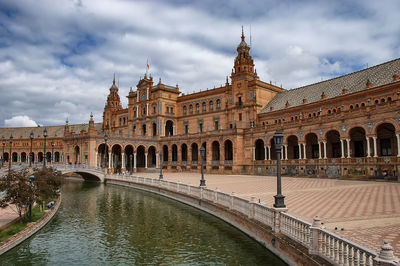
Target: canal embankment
x,y
29,231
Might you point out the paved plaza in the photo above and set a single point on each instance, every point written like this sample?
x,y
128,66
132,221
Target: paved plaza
x,y
369,211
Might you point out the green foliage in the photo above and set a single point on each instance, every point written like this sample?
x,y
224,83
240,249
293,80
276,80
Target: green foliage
x,y
46,184
17,190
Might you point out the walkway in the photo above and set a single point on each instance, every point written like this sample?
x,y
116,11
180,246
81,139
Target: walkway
x,y
369,211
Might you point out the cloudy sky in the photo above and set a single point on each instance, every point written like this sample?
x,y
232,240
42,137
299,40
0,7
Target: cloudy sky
x,y
58,57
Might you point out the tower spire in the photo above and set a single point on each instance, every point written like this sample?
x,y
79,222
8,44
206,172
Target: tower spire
x,y
242,34
114,79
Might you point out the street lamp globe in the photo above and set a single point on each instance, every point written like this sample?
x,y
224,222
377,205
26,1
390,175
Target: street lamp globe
x,y
202,152
202,180
278,139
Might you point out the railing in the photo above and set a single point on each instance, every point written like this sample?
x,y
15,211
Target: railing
x,y
314,237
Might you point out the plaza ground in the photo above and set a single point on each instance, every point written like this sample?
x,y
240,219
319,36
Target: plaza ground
x,y
368,211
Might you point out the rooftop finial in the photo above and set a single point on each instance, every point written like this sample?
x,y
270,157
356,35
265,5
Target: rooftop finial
x,y
91,116
114,79
242,34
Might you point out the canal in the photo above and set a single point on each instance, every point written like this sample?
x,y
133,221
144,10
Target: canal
x,y
108,225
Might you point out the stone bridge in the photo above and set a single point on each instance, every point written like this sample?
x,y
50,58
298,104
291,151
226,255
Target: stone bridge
x,y
87,173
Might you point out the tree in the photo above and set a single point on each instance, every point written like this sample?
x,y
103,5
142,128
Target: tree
x,y
17,191
47,182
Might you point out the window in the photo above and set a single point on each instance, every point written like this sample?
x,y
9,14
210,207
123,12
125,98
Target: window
x,y
167,110
211,106
216,125
144,130
172,110
184,110
204,107
154,109
201,127
386,149
230,126
197,108
240,101
191,109
240,116
218,104
186,129
251,95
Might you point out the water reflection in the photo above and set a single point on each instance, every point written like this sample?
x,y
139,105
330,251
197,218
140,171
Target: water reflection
x,y
109,225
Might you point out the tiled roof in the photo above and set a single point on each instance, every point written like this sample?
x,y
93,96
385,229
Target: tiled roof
x,y
52,131
354,82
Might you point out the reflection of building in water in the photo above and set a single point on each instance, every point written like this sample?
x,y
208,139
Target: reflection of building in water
x,y
348,125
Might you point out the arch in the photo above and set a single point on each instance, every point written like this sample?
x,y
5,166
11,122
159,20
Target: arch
x,y
5,157
215,151
151,157
386,139
386,121
228,148
360,126
358,141
48,157
169,128
77,156
197,108
195,152
102,154
140,157
129,158
184,152
144,129
211,105
312,145
205,153
218,104
293,147
273,150
116,158
57,157
165,153
333,146
40,157
260,150
184,110
23,157
204,107
174,153
33,157
14,157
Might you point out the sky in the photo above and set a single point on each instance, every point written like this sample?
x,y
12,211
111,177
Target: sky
x,y
58,57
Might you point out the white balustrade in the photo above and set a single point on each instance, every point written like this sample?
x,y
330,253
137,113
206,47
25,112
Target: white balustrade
x,y
295,228
224,199
208,194
241,205
264,214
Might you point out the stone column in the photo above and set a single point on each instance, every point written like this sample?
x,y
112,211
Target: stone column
x,y
265,152
145,160
123,160
319,150
173,130
375,148
134,160
147,109
109,160
299,151
348,148
368,147
286,157
304,151
325,150
95,160
254,153
398,144
342,147
269,152
157,160
137,108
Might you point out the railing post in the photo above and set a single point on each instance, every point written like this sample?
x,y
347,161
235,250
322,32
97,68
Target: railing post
x,y
232,197
277,218
201,193
314,239
386,256
252,203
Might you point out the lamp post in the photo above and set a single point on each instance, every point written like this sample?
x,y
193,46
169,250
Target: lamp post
x,y
105,157
161,175
2,158
44,148
31,154
31,178
130,161
52,152
279,198
10,157
202,153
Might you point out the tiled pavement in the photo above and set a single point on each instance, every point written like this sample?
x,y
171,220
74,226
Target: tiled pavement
x,y
368,211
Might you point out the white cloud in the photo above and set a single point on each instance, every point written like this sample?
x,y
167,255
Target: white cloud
x,y
60,59
20,121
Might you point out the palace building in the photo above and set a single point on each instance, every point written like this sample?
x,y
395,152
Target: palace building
x,y
345,126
